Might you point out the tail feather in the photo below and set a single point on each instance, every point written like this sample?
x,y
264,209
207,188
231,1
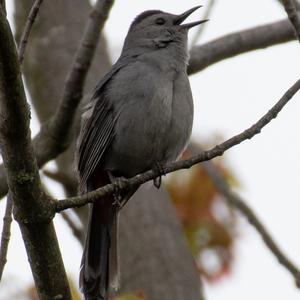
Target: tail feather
x,y
100,261
95,264
114,270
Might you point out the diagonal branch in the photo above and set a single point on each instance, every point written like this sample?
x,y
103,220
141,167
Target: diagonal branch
x,y
239,42
238,203
291,10
26,32
62,121
185,164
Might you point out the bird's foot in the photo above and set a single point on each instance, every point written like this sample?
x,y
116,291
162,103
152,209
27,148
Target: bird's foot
x,y
118,199
157,180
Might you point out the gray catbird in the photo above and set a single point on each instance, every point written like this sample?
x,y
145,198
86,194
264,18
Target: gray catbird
x,y
140,116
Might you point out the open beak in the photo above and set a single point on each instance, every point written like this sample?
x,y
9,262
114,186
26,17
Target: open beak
x,y
180,18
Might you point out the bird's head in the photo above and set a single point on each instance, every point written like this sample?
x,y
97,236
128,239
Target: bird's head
x,y
155,29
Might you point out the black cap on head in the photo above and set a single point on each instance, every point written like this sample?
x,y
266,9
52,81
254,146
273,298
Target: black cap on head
x,y
144,15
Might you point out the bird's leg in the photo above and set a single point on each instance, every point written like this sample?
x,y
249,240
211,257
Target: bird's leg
x,y
157,180
117,182
117,195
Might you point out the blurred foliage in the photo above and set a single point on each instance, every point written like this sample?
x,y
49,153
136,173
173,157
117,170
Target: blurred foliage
x,y
138,295
14,291
208,222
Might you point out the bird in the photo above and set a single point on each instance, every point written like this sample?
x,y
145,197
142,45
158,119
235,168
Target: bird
x,y
139,117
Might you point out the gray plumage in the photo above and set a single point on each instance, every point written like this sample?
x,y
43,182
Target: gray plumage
x,y
140,114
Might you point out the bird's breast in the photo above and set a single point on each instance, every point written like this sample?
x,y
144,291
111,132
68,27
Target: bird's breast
x,y
155,116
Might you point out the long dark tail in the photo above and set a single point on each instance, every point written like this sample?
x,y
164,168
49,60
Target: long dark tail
x,y
96,264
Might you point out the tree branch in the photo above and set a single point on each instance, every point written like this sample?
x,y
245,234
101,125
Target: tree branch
x,y
238,203
56,134
185,164
291,10
62,122
5,236
32,207
26,32
238,43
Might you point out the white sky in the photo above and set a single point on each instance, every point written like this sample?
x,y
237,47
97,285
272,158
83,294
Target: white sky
x,y
229,97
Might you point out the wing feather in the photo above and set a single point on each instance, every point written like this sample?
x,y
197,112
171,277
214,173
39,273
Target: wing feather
x,y
97,130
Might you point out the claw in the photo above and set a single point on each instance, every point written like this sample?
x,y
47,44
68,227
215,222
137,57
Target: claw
x,y
157,180
117,200
117,195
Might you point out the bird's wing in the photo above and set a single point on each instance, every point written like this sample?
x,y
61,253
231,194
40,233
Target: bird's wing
x,y
97,129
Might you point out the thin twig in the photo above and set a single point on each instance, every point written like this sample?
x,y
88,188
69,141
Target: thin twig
x,y
185,164
27,29
270,243
238,203
77,232
201,28
5,236
291,10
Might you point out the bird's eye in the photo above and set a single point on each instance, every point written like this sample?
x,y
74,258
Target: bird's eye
x,y
160,21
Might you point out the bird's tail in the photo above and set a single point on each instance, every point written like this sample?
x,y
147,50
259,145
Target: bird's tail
x,y
99,265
